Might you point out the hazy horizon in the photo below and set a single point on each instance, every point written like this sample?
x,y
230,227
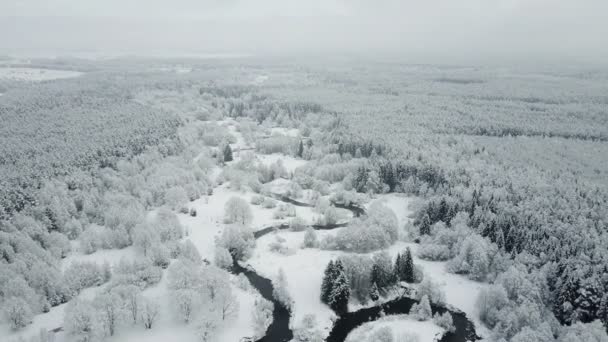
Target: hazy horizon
x,y
437,31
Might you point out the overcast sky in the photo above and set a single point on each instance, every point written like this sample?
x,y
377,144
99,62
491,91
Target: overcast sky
x,y
458,31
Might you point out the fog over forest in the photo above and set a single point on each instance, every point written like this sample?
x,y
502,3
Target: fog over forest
x,y
438,31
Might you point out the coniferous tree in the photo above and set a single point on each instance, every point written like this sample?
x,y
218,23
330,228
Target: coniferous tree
x,y
425,225
328,278
227,153
338,299
398,269
373,292
300,152
408,267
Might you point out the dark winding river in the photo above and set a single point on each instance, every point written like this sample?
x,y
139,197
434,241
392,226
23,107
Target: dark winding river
x,y
279,330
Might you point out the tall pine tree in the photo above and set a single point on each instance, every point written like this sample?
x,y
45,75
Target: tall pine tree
x,y
425,225
328,279
227,153
338,299
408,267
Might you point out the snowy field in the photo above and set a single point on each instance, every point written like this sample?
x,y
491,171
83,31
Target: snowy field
x,y
400,325
34,74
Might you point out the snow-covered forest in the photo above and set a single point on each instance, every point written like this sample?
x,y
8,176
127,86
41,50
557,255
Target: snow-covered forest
x,y
248,200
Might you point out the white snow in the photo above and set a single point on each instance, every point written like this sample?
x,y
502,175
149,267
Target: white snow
x,y
290,163
426,331
112,256
35,74
291,132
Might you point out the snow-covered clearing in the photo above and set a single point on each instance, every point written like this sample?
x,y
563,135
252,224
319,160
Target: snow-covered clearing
x,y
34,74
400,325
290,163
290,132
111,256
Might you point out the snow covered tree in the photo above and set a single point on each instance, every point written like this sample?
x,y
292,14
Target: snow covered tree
x,y
430,289
406,272
186,303
222,258
262,316
425,225
237,210
81,321
190,252
227,153
308,331
226,302
445,321
328,278
373,292
382,271
310,238
300,151
17,312
110,311
206,327
422,311
130,296
149,311
489,304
281,291
340,293
238,240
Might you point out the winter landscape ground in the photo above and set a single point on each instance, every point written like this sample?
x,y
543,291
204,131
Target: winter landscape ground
x,y
247,200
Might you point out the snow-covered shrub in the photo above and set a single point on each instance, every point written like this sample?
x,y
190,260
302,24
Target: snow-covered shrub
x,y
284,210
17,312
183,274
148,312
141,273
358,269
474,258
176,197
297,224
347,198
186,303
242,282
159,256
383,217
222,258
269,203
237,210
310,238
83,274
307,330
278,246
434,252
238,240
262,316
145,237
130,296
257,199
110,311
188,251
384,334
422,311
490,302
81,321
206,326
168,226
280,291
428,288
445,321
